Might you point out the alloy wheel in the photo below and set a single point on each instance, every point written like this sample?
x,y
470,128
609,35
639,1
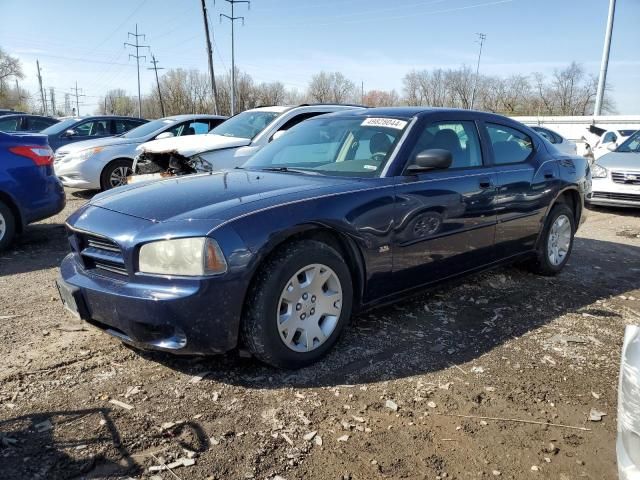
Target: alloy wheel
x,y
309,308
3,226
559,240
119,176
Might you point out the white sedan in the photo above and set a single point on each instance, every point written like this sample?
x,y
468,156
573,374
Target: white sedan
x,y
616,176
558,141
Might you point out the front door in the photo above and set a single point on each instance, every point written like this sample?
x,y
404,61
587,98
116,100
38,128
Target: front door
x,y
444,220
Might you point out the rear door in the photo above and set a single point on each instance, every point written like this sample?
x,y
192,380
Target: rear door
x,y
527,178
445,220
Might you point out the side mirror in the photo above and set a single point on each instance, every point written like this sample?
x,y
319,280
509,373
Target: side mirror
x,y
612,146
432,159
164,135
70,133
278,134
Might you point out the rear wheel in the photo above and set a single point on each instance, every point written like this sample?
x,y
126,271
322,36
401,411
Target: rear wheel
x,y
115,174
7,226
556,242
298,306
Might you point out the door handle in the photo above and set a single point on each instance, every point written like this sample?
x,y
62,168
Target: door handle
x,y
486,182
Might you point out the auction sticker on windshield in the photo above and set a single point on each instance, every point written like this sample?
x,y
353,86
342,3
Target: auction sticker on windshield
x,y
384,122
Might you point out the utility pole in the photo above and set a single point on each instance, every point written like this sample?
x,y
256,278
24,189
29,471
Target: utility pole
x,y
602,80
78,95
156,68
212,77
233,19
362,92
482,37
52,98
137,56
44,104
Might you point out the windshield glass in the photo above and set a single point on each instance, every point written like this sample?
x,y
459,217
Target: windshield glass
x,y
246,124
631,144
60,127
353,147
148,128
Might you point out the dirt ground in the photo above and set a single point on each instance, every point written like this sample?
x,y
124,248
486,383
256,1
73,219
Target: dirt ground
x,y
400,396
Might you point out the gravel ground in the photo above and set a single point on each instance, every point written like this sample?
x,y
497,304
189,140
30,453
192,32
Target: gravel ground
x,y
400,397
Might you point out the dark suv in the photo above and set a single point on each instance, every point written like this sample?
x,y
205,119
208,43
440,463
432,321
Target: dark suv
x,y
76,129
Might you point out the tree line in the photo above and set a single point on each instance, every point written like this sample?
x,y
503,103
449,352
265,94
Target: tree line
x,y
567,91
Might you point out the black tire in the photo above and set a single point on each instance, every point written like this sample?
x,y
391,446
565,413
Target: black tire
x,y
105,176
259,323
542,264
7,226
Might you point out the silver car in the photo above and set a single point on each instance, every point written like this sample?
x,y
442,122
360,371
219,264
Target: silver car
x,y
106,162
558,141
616,176
628,443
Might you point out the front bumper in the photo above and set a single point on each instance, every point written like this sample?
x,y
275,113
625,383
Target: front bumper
x,y
199,316
606,192
79,174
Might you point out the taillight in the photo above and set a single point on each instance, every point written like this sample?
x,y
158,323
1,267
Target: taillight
x,y
39,154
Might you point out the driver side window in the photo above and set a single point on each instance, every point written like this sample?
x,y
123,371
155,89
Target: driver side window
x,y
459,138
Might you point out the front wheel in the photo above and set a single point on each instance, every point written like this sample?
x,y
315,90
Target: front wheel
x,y
298,305
115,174
556,242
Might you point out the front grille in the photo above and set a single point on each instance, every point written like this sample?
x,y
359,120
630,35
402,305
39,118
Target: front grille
x,y
628,197
100,253
630,178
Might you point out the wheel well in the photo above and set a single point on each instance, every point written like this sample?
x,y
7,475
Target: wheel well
x,y
111,162
344,246
6,199
572,199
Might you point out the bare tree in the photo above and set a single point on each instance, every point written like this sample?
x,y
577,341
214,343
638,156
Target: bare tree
x,y
320,87
381,98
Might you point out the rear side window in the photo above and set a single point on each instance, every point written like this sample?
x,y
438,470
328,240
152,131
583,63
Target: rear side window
x,y
292,122
509,145
9,125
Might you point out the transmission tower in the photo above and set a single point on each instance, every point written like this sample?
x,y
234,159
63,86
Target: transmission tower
x,y
233,19
137,56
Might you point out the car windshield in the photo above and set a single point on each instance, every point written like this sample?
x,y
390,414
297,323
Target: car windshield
x,y
353,147
631,144
246,124
60,126
149,128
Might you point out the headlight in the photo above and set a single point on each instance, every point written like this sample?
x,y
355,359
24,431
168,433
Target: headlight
x,y
82,155
183,256
598,172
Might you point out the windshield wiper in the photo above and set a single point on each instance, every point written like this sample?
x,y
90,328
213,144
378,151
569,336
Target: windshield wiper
x,y
289,170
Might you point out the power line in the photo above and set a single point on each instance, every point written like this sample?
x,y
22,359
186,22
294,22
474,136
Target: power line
x,y
212,77
156,68
233,19
482,38
137,56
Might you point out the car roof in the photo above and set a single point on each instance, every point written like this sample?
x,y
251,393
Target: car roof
x,y
27,115
98,117
191,116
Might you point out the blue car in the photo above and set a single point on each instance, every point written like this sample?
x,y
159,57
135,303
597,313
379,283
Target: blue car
x,y
342,213
29,189
77,129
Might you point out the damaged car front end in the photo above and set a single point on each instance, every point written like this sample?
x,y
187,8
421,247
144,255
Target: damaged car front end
x,y
155,165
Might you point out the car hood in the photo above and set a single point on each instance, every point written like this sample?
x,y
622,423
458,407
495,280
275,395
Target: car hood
x,y
218,195
98,142
190,145
622,160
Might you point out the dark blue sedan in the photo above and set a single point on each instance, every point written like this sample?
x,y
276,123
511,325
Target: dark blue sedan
x,y
344,212
29,189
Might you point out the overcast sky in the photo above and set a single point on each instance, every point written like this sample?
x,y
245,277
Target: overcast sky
x,y
373,41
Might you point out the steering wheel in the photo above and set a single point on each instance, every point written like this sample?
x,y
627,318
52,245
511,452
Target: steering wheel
x,y
378,157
